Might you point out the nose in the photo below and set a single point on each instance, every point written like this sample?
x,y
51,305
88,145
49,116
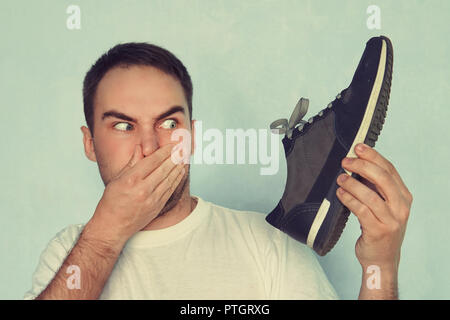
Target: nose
x,y
149,142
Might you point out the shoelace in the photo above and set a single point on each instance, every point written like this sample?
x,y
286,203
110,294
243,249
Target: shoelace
x,y
282,126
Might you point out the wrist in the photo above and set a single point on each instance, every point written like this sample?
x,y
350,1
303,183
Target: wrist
x,y
379,282
102,237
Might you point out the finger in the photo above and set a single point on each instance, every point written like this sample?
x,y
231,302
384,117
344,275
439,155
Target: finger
x,y
374,156
366,196
147,165
135,157
174,185
370,185
384,182
366,218
168,186
160,173
169,191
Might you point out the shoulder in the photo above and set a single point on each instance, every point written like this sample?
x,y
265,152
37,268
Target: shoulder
x,y
292,268
243,218
254,226
247,225
52,257
68,236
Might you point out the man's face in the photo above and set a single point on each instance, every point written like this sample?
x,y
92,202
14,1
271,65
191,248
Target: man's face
x,y
135,105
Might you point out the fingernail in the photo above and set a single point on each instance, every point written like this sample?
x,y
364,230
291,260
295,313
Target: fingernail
x,y
340,191
348,160
342,178
361,147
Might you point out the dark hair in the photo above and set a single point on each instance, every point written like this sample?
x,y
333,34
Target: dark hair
x,y
129,54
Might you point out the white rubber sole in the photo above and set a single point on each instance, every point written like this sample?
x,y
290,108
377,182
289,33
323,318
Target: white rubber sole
x,y
359,138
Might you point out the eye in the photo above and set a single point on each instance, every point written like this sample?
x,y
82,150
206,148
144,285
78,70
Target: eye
x,y
121,126
169,124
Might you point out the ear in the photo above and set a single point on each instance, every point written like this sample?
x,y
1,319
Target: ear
x,y
88,144
193,136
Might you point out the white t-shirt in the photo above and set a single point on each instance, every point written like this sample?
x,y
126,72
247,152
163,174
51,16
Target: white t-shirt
x,y
214,253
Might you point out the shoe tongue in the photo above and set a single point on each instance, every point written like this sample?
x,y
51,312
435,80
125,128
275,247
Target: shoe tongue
x,y
300,110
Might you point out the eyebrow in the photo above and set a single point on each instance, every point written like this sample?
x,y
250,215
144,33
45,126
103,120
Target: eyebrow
x,y
122,116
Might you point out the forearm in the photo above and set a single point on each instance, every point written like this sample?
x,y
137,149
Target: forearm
x,y
379,283
94,257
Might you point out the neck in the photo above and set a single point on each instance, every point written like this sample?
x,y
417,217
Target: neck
x,y
182,209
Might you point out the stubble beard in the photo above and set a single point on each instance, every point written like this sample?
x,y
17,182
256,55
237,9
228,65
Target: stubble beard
x,y
176,195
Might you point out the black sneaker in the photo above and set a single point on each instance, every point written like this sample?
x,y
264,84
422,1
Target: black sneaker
x,y
309,210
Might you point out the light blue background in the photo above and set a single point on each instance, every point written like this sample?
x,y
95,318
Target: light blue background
x,y
250,61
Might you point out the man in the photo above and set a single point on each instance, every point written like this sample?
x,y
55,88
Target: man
x,y
148,237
